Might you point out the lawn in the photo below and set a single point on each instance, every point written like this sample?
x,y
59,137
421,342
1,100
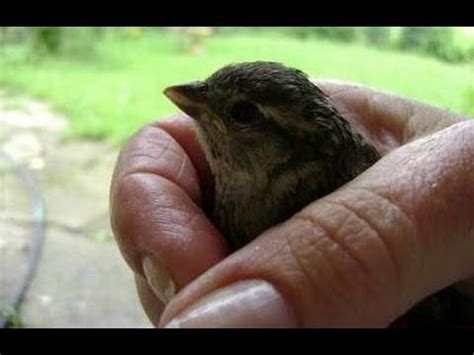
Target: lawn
x,y
113,95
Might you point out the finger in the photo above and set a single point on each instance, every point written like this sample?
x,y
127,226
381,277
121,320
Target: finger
x,y
182,129
161,231
164,149
361,256
151,304
389,119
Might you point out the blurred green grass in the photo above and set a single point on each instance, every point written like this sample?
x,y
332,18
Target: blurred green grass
x,y
121,89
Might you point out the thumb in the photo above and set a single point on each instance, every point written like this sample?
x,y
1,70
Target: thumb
x,y
359,257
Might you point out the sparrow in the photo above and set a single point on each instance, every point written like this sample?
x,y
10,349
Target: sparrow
x,y
275,143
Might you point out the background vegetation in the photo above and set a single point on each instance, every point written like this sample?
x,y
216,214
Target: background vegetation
x,y
109,81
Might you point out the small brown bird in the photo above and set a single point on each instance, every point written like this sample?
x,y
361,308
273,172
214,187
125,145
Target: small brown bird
x,y
275,143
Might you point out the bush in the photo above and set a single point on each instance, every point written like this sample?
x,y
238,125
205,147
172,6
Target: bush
x,y
412,38
344,34
46,40
377,36
299,32
71,42
439,42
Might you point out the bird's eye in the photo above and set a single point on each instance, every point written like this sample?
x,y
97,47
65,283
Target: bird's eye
x,y
244,112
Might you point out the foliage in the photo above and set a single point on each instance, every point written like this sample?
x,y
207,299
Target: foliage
x,y
113,95
444,43
439,42
46,39
377,36
67,42
81,43
343,34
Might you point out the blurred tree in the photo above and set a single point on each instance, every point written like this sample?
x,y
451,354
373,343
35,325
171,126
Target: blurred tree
x,y
377,36
412,38
345,34
71,42
439,42
47,39
436,41
301,32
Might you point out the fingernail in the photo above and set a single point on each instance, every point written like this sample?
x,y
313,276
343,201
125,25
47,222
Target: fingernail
x,y
159,279
245,304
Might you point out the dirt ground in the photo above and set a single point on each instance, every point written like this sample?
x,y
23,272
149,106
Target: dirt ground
x,y
81,279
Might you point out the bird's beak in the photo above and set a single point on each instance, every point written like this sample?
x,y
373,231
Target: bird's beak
x,y
190,98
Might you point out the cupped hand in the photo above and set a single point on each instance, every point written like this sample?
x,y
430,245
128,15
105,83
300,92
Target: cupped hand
x,y
358,257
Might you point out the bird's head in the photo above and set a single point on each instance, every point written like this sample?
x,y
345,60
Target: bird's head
x,y
254,115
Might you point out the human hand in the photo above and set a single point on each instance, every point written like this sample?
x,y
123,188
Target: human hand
x,y
361,256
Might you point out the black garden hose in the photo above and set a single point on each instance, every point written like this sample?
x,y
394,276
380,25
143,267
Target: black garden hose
x,y
37,240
